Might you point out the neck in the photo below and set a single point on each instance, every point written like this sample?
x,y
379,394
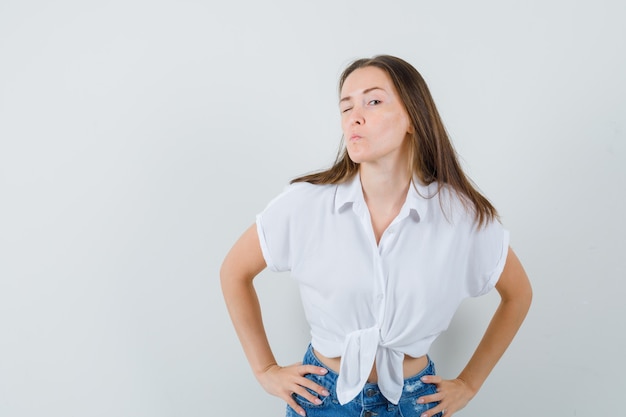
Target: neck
x,y
385,187
385,192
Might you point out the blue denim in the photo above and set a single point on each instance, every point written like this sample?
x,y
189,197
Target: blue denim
x,y
370,402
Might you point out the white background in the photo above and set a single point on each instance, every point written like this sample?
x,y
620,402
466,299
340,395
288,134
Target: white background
x,y
139,138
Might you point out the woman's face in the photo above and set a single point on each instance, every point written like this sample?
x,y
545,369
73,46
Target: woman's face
x,y
374,121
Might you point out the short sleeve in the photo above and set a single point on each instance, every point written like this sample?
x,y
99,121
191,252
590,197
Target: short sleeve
x,y
275,228
489,247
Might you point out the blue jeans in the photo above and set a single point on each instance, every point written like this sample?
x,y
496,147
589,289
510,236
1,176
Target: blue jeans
x,y
370,402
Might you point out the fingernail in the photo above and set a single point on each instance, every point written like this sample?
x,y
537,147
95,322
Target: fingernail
x,y
318,401
424,378
420,401
325,393
323,371
302,413
424,415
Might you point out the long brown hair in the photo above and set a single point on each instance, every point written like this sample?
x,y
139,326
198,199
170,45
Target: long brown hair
x,y
433,158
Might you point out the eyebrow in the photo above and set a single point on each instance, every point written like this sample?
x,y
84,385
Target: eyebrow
x,y
367,90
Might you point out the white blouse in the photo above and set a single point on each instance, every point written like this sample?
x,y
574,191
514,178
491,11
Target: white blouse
x,y
367,302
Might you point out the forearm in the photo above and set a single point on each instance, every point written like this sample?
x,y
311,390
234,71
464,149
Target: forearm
x,y
516,295
243,263
503,326
245,313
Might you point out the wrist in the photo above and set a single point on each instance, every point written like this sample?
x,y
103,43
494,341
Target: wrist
x,y
259,372
471,387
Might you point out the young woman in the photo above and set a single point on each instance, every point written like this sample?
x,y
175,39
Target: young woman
x,y
385,245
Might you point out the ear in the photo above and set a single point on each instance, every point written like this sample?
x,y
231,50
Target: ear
x,y
411,129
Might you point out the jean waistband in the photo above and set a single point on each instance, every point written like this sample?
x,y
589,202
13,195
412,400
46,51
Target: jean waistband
x,y
370,392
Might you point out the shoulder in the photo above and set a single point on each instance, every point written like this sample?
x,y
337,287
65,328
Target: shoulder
x,y
452,209
447,204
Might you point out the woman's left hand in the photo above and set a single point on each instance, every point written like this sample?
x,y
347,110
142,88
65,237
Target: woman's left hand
x,y
452,395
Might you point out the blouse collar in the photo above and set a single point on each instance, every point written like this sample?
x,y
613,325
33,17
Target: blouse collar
x,y
350,193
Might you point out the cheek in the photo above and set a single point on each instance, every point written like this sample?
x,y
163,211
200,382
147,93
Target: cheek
x,y
396,124
403,125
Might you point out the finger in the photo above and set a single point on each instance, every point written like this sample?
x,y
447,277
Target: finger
x,y
431,379
434,411
304,393
312,369
432,398
440,409
313,386
293,404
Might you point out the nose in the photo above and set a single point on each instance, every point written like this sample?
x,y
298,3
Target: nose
x,y
356,116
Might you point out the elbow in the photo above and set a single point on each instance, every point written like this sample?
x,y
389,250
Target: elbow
x,y
529,294
521,300
516,295
528,297
526,294
225,276
234,278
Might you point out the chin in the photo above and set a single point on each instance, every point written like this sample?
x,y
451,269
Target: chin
x,y
356,157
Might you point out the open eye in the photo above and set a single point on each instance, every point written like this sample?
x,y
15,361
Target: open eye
x,y
374,102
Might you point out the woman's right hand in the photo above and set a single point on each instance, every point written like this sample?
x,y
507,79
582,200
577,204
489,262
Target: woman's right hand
x,y
284,381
